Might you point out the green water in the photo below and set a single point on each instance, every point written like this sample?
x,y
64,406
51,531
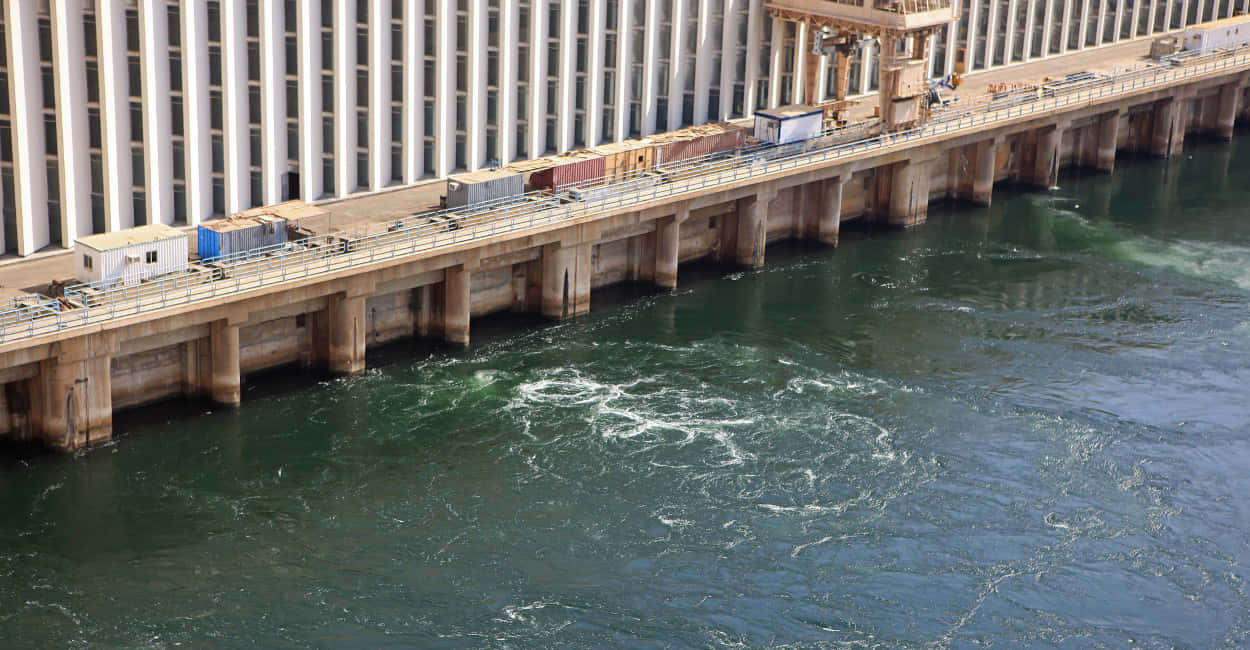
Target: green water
x,y
1023,425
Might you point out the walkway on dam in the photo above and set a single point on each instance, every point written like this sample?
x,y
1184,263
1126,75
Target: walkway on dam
x,y
285,270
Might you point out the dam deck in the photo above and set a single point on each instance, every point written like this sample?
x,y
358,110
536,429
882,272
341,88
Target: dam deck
x,y
64,374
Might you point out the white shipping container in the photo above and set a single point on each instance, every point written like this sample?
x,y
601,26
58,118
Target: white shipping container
x,y
130,256
1228,33
784,124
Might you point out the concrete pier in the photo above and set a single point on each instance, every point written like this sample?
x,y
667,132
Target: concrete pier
x,y
61,387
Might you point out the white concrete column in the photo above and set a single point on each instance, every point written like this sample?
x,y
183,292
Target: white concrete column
x,y
1065,31
157,113
345,112
677,64
1009,38
974,15
234,90
822,78
729,56
74,161
1133,29
776,49
991,35
800,63
703,72
952,40
538,78
380,93
414,90
624,65
1084,29
308,36
566,90
1119,22
509,22
592,127
1102,21
30,168
119,207
1048,26
650,85
755,37
273,153
1030,21
1167,15
196,143
475,127
866,56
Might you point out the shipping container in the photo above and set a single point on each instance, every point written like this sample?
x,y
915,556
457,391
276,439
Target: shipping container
x,y
576,168
697,141
483,186
237,234
786,124
1217,35
623,161
130,256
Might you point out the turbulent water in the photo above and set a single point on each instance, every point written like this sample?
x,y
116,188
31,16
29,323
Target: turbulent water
x,y
1023,425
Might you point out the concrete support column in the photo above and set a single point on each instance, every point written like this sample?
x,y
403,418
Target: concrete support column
x,y
565,281
755,37
624,22
667,246
1226,118
1046,162
119,205
1108,137
68,53
983,181
414,85
380,90
346,314
566,95
730,19
703,61
456,308
273,154
592,126
753,228
777,51
507,112
308,36
830,217
75,404
909,194
198,166
238,156
226,380
346,133
537,143
157,111
30,168
475,138
677,63
1170,116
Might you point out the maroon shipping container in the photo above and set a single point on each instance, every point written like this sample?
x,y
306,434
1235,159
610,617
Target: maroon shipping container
x,y
580,169
698,141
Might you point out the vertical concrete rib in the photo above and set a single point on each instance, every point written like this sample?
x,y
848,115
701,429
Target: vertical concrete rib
x,y
703,71
346,120
308,35
68,55
507,111
991,34
777,51
30,171
444,87
195,136
273,153
234,89
731,16
592,127
538,79
974,14
650,56
624,66
475,135
755,37
677,64
380,94
157,113
414,90
800,63
566,89
119,207
1030,21
1066,28
1084,29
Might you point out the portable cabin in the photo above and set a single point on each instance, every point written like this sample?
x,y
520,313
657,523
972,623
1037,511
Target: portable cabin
x,y
238,234
1227,33
482,186
130,256
785,124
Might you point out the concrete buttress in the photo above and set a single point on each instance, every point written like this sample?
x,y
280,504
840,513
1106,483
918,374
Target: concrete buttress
x,y
909,194
347,333
566,280
1226,119
226,381
76,396
830,220
753,228
456,309
1170,116
667,248
1046,161
1108,136
983,180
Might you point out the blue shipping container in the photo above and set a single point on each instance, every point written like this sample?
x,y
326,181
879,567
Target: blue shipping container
x,y
235,235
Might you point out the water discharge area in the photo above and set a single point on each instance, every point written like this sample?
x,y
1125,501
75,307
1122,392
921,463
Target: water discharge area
x,y
1023,425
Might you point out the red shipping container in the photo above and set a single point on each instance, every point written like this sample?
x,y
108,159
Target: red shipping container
x,y
581,170
695,142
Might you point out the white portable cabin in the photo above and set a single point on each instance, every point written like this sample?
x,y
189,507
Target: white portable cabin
x,y
132,255
791,123
1223,34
